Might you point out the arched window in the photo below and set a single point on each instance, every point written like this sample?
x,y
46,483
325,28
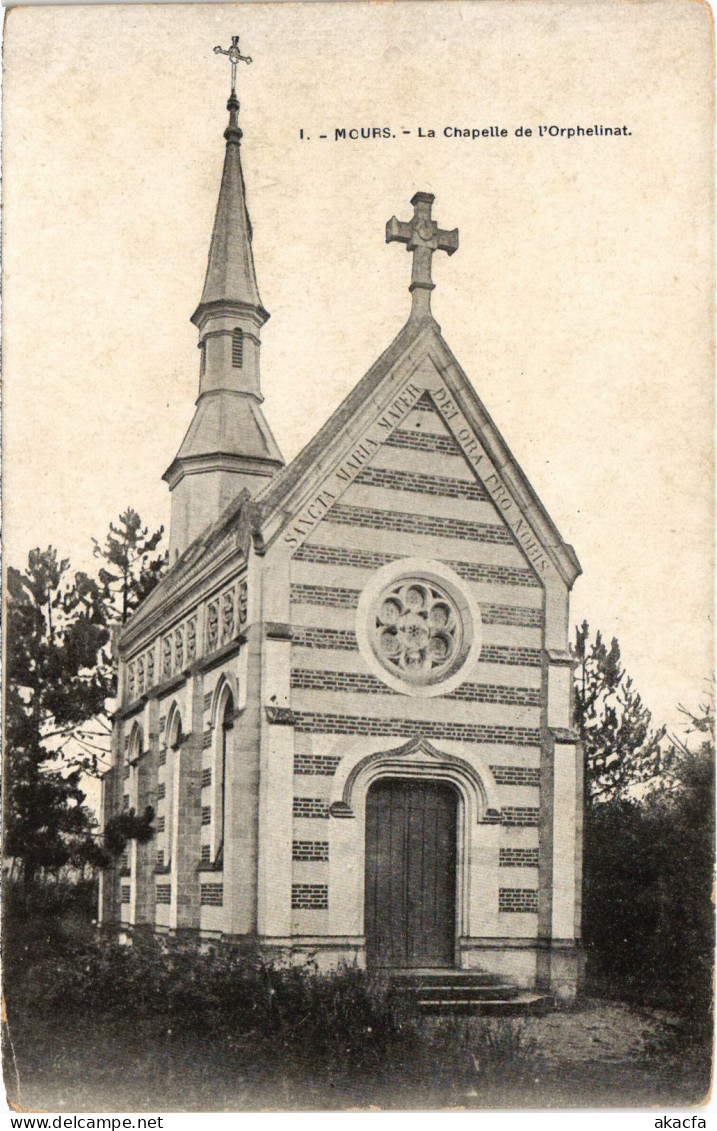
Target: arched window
x,y
130,789
227,725
166,786
213,846
131,772
237,348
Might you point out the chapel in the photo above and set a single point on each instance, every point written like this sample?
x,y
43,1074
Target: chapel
x,y
348,701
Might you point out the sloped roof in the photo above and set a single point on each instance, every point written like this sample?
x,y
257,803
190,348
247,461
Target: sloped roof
x,y
248,516
231,276
228,423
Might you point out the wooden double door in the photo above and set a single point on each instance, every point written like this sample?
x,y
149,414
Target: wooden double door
x,y
410,883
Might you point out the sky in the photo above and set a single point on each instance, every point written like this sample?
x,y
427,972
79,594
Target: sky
x,y
578,303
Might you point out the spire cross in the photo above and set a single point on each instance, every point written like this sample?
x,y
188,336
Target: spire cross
x,y
422,236
235,56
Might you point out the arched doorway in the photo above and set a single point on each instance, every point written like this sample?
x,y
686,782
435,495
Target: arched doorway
x,y
410,882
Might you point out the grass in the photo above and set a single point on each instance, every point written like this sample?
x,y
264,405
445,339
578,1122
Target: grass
x,y
93,1026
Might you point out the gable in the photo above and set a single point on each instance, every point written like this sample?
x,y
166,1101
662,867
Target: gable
x,y
419,431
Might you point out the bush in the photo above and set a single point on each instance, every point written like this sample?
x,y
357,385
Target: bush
x,y
339,1022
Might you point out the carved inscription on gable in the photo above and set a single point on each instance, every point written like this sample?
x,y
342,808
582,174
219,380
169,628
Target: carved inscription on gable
x,y
362,452
339,479
500,495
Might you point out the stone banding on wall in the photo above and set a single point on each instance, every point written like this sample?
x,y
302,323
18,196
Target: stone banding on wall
x,y
422,442
425,404
315,680
310,897
310,850
518,858
211,895
405,523
335,597
343,640
332,638
520,816
321,765
502,654
328,723
518,899
420,484
332,597
373,559
314,807
516,775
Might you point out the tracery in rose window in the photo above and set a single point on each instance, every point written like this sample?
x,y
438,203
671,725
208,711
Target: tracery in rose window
x,y
417,630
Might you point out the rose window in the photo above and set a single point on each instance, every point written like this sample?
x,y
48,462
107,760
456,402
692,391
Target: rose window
x,y
418,630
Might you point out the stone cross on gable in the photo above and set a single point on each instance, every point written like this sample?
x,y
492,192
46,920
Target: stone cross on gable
x,y
422,236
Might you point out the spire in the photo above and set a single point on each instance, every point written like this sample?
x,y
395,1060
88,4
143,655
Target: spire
x,y
228,446
231,276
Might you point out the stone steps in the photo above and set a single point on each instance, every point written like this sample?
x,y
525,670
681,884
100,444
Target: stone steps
x,y
522,1005
468,992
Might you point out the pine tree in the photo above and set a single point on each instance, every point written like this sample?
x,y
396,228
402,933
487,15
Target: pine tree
x,y
620,747
57,679
128,549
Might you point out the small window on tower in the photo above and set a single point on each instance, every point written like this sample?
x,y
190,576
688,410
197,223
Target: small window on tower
x,y
237,348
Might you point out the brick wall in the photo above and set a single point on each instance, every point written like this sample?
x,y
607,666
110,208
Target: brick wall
x,y
406,523
371,559
518,858
317,680
516,775
335,597
343,640
326,723
526,816
308,850
390,511
310,807
417,483
324,765
211,895
518,899
310,897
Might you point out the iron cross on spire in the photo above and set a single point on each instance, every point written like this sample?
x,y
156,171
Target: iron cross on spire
x,y
422,236
236,57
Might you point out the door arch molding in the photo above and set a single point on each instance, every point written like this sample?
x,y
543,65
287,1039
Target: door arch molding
x,y
478,827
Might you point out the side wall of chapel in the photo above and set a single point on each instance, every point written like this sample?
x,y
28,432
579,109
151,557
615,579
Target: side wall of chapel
x,y
185,743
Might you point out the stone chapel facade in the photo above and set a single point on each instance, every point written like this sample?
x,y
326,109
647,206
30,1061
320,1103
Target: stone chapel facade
x,y
349,700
